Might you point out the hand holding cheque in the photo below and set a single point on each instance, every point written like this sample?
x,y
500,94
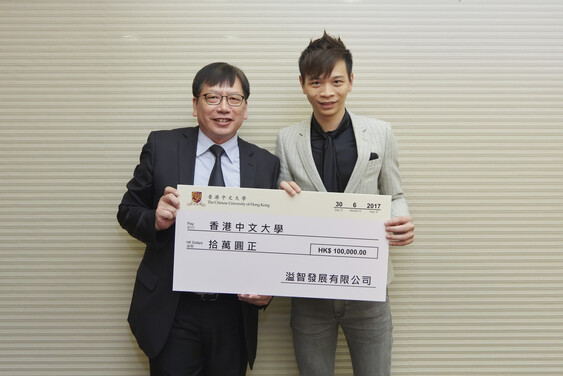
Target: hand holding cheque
x,y
314,244
168,204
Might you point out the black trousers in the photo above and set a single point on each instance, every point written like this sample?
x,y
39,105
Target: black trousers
x,y
207,339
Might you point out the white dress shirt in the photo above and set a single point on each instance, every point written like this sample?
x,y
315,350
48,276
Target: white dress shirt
x,y
205,160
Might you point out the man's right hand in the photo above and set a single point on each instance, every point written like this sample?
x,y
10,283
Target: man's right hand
x,y
166,210
290,187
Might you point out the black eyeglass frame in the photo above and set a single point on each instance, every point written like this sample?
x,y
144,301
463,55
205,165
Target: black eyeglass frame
x,y
234,104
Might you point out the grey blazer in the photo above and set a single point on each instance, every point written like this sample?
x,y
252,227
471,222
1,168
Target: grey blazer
x,y
376,170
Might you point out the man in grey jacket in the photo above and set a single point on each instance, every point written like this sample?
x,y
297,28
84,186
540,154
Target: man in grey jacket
x,y
337,151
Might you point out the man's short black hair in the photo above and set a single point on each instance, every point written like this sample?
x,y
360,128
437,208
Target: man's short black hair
x,y
218,74
322,55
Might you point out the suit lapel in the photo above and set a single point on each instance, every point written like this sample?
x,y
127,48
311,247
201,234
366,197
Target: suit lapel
x,y
363,147
247,164
187,146
303,145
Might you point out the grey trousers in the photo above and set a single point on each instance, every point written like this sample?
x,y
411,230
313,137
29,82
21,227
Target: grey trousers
x,y
366,325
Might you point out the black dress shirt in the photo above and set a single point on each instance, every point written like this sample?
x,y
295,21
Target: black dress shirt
x,y
335,153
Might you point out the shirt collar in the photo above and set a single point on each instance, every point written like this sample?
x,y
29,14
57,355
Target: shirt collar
x,y
345,123
230,146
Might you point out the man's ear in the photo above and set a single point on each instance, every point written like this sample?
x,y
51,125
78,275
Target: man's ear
x,y
194,102
351,81
302,83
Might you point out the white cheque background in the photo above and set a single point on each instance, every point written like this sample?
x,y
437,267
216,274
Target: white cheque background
x,y
322,245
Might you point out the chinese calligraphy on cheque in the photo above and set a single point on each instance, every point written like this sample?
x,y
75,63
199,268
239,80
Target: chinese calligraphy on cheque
x,y
242,240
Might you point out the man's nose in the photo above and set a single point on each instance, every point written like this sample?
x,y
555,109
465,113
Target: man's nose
x,y
327,90
224,104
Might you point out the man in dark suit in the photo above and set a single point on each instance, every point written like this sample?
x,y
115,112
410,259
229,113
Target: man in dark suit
x,y
185,333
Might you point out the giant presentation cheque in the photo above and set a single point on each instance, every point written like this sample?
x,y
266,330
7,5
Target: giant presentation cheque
x,y
262,241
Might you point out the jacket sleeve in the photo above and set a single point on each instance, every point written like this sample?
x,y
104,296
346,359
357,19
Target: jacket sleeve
x,y
390,177
136,213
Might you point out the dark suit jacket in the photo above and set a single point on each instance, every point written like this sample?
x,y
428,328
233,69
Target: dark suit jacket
x,y
168,159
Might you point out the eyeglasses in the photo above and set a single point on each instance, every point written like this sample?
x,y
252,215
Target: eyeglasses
x,y
213,99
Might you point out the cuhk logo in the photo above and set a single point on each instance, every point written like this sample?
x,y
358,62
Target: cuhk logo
x,y
196,197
